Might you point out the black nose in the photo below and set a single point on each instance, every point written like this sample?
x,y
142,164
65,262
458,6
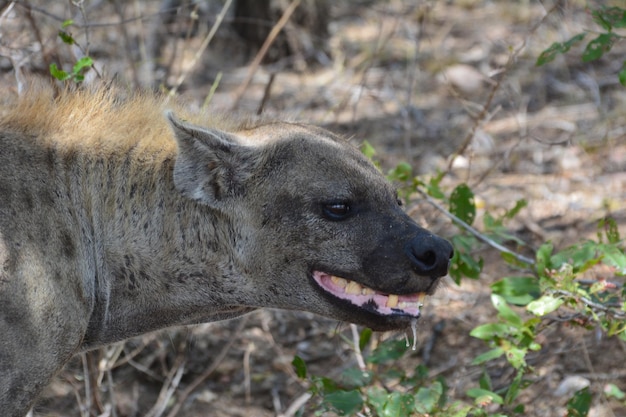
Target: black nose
x,y
429,254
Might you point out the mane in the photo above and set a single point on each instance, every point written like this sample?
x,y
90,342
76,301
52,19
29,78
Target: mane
x,y
100,117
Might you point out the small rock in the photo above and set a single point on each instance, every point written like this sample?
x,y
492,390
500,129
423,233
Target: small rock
x,y
206,396
464,77
570,385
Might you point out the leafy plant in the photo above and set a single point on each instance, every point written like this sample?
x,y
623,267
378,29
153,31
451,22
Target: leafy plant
x,y
384,389
556,288
608,18
84,63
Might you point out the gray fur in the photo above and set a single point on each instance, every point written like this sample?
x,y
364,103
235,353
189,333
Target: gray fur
x,y
111,228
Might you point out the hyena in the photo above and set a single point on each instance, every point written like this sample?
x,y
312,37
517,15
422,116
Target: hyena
x,y
121,214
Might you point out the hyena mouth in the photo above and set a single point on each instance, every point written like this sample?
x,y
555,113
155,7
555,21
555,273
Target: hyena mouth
x,y
368,298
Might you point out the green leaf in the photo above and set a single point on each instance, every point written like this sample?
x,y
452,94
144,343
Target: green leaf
x,y
364,337
469,266
299,366
483,396
464,243
427,398
608,224
402,172
398,405
325,385
488,356
377,398
615,257
368,150
388,351
580,403
612,391
610,17
519,205
506,312
484,381
516,356
433,189
458,409
544,258
354,378
345,402
545,305
513,391
581,256
462,203
58,73
513,261
517,290
556,48
598,46
67,23
462,262
66,37
84,62
490,331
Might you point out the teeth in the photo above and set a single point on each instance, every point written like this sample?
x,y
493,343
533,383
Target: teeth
x,y
392,301
353,288
408,304
339,281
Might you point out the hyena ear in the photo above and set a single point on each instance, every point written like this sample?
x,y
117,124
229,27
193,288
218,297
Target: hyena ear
x,y
211,165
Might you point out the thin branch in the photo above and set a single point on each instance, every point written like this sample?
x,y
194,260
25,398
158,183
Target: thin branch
x,y
169,387
216,362
296,405
482,116
266,93
592,304
203,46
119,10
263,51
61,19
86,407
357,347
475,232
246,372
589,282
484,113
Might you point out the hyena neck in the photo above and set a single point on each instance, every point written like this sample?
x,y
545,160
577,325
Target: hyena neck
x,y
160,265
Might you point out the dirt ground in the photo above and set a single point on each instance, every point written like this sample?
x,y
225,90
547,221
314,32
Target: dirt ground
x,y
419,80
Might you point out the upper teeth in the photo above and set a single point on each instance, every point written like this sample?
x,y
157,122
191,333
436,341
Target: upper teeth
x,y
392,301
354,288
339,281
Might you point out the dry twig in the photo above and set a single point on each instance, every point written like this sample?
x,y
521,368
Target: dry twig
x,y
264,48
182,397
202,48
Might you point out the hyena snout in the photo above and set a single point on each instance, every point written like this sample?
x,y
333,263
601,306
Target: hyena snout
x,y
429,254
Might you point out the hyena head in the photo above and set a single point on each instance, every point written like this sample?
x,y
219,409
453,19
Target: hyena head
x,y
318,227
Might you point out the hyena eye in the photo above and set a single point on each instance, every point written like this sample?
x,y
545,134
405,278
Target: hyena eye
x,y
336,211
